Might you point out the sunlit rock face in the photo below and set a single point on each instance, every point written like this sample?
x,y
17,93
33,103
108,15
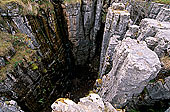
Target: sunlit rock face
x,y
92,103
134,65
9,105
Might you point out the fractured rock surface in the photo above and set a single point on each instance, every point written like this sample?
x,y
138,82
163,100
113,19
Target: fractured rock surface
x,y
117,21
134,65
91,103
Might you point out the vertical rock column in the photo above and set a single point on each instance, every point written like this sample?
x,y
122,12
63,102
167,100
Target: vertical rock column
x,y
117,21
84,24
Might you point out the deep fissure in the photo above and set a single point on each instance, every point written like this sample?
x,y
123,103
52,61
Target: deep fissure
x,y
66,60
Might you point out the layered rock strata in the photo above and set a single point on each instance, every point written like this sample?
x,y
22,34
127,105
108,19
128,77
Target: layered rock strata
x,y
117,21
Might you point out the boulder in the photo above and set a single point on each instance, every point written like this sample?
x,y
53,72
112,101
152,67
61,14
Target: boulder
x,y
9,105
92,103
156,34
134,65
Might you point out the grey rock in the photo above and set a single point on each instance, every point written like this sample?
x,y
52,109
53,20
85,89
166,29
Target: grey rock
x,y
163,37
91,103
2,62
164,15
149,27
116,24
83,26
118,6
168,110
107,65
132,32
9,106
134,65
23,26
155,8
151,42
159,90
160,32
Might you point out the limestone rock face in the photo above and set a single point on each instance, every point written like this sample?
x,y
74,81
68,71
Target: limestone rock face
x,y
132,32
159,90
164,15
9,106
107,65
117,21
91,103
84,21
134,65
160,33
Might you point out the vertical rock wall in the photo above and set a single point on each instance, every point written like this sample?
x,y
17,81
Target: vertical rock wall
x,y
39,76
117,21
84,20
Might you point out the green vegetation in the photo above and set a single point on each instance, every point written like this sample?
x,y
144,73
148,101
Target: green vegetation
x,y
162,1
29,6
72,1
7,42
134,110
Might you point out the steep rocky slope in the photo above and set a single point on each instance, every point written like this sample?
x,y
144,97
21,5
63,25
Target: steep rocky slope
x,y
51,49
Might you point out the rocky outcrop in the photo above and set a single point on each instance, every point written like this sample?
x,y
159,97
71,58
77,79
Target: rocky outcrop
x,y
91,103
156,34
35,54
164,15
108,59
117,21
145,9
134,65
84,20
159,90
9,105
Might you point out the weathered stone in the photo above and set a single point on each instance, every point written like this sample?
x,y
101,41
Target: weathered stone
x,y
9,105
164,15
118,6
107,65
132,32
159,90
160,32
22,24
84,23
117,22
134,65
155,8
151,42
91,103
149,27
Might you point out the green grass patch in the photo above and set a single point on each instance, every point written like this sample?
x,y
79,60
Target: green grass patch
x,y
162,1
